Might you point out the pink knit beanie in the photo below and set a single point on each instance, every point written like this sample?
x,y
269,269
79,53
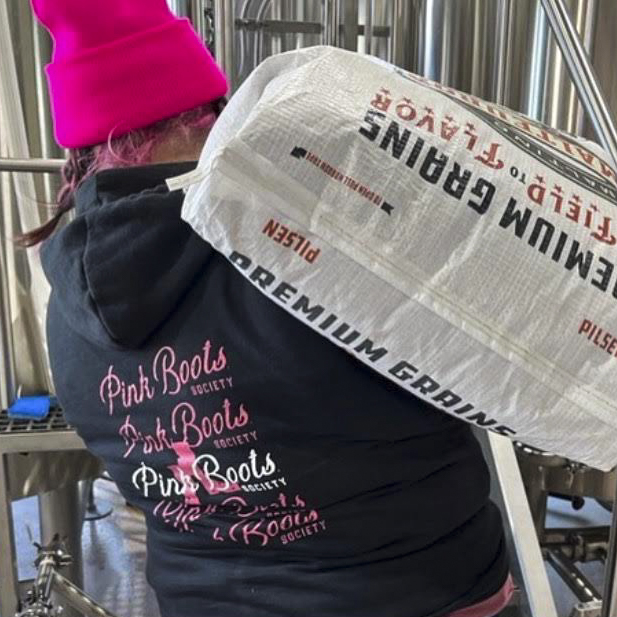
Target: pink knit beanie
x,y
120,65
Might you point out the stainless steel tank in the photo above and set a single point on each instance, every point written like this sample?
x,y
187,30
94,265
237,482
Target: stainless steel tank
x,y
496,49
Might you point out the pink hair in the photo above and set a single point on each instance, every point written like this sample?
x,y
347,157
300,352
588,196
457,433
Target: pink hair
x,y
129,150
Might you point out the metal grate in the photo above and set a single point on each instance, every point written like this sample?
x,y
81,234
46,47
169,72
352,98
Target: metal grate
x,y
55,421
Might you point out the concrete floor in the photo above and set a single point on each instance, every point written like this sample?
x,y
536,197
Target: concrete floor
x,y
114,552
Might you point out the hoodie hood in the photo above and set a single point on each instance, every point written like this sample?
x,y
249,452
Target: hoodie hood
x,y
119,269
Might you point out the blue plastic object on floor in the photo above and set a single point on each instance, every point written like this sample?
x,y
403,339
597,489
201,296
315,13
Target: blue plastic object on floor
x,y
30,407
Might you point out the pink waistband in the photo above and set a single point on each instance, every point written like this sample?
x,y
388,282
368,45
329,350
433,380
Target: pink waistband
x,y
489,607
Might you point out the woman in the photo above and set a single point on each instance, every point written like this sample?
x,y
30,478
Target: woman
x,y
278,475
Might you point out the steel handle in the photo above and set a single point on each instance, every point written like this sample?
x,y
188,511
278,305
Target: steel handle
x,y
45,166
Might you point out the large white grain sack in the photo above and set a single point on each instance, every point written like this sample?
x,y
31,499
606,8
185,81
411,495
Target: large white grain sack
x,y
460,249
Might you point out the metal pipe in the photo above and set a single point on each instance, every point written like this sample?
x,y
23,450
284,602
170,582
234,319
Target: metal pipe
x,y
368,26
588,18
583,75
535,100
399,37
500,92
381,20
331,23
77,599
259,44
604,51
243,38
43,166
520,523
561,106
451,59
350,28
578,583
270,26
198,18
277,42
433,18
325,30
8,365
224,44
300,15
457,44
8,385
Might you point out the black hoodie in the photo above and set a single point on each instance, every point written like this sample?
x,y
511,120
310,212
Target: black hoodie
x,y
278,475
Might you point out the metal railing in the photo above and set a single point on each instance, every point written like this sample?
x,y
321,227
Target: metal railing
x,y
45,166
583,74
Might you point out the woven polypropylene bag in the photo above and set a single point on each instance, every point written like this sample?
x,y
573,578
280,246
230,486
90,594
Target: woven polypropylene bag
x,y
460,249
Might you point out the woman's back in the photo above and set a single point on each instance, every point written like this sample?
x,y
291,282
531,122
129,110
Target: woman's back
x,y
278,475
